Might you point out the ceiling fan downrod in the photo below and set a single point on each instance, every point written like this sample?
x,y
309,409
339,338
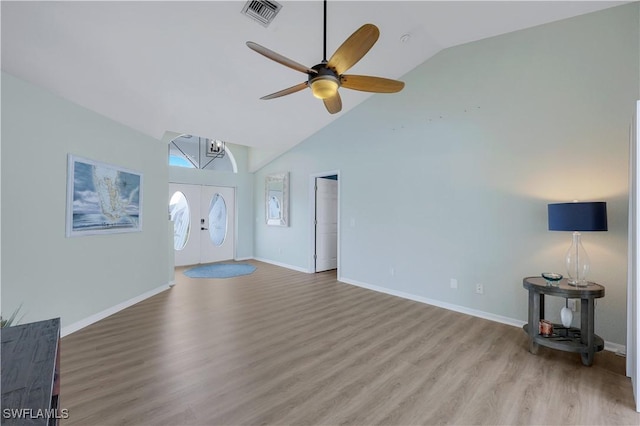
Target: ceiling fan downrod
x,y
324,52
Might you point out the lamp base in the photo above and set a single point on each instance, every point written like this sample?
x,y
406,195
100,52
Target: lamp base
x,y
578,283
577,263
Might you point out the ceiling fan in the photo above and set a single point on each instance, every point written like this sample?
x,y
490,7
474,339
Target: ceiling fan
x,y
325,78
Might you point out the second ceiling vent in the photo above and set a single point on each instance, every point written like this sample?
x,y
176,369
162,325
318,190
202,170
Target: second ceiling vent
x,y
263,11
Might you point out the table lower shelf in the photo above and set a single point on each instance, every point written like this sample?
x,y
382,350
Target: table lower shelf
x,y
565,339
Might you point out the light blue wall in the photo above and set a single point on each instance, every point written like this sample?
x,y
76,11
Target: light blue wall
x,y
448,179
72,278
451,177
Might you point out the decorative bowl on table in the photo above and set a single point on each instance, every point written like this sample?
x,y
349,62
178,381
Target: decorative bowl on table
x,y
552,278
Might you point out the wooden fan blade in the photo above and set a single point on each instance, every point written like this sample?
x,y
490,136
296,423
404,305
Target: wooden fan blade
x,y
279,58
354,48
290,90
333,104
366,83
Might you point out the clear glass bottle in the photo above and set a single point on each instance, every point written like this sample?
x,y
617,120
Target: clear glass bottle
x,y
577,262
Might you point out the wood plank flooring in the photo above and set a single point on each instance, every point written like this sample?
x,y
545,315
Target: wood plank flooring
x,y
284,347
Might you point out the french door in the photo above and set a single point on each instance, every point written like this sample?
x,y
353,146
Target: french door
x,y
204,223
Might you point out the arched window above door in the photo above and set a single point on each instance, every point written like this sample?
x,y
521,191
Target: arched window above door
x,y
201,153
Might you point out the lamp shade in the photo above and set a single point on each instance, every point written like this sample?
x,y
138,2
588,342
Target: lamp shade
x,y
591,216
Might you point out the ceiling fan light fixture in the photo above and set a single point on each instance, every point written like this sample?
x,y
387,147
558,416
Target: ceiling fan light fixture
x,y
324,87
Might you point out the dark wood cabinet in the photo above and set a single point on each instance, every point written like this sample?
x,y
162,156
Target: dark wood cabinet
x,y
31,374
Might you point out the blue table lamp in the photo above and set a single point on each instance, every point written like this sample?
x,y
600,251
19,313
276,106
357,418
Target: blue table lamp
x,y
576,217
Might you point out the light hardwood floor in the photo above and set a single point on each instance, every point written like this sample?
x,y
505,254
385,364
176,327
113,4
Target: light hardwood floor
x,y
284,347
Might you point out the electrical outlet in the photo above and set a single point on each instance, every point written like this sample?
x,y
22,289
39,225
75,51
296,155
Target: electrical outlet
x,y
453,283
392,271
572,304
479,288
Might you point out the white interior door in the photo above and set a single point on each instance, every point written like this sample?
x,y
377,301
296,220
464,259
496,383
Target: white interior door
x,y
326,255
217,224
204,223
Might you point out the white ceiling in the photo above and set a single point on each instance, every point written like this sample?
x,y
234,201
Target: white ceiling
x,y
184,66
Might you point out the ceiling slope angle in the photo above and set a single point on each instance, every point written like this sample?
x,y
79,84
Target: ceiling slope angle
x,y
185,66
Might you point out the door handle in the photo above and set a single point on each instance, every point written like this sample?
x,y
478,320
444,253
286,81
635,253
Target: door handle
x,y
204,229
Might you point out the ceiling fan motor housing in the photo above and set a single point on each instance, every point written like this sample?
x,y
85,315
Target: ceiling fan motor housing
x,y
325,83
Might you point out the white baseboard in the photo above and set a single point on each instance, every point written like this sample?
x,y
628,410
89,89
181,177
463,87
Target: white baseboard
x,y
72,328
242,259
615,347
284,265
609,346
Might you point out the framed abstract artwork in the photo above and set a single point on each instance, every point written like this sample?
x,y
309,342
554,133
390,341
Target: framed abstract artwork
x,y
102,198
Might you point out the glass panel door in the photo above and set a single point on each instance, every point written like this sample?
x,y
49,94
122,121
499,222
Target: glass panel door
x,y
184,211
204,223
180,215
218,220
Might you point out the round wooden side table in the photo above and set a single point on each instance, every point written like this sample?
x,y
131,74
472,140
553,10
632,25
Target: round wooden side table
x,y
582,340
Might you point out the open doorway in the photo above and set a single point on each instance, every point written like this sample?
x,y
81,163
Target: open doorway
x,y
325,221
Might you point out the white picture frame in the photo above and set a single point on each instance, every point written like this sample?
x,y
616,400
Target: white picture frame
x,y
276,194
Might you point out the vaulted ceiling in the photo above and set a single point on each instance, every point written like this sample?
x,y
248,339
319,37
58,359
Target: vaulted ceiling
x,y
184,66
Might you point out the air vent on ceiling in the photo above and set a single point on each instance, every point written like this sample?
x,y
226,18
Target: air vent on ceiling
x,y
262,11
